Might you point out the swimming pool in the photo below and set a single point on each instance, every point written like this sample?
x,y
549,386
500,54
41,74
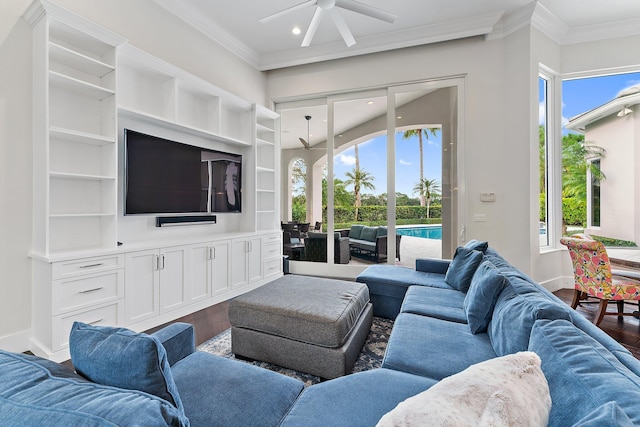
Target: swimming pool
x,y
423,231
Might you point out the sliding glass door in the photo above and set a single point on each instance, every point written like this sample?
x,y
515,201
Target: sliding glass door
x,y
383,161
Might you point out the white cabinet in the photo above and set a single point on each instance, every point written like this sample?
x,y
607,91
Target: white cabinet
x,y
246,261
90,290
271,255
156,282
75,153
210,269
142,280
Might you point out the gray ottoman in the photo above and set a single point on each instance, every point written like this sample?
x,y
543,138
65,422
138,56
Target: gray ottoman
x,y
309,324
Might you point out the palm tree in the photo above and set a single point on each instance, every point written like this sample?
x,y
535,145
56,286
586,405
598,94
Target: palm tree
x,y
427,188
408,134
360,179
575,154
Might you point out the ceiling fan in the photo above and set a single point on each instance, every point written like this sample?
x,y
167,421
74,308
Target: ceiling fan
x,y
329,7
307,146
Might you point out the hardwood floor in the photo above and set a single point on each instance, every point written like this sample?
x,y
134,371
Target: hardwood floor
x,y
625,330
214,320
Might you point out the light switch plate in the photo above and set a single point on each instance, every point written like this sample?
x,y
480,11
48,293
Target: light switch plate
x,y
488,197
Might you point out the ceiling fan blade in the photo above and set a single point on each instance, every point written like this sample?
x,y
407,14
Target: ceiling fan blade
x,y
288,10
365,9
338,19
305,143
313,26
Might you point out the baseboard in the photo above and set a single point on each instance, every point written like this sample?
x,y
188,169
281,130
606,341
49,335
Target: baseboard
x,y
17,343
558,283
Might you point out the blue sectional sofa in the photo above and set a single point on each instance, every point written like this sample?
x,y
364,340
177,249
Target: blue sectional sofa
x,y
454,316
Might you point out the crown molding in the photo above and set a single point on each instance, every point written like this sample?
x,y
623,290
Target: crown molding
x,y
608,30
209,28
480,25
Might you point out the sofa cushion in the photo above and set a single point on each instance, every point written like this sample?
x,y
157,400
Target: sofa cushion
x,y
514,316
381,232
477,245
122,358
354,400
445,304
505,391
582,374
464,264
369,233
224,392
417,345
36,392
607,415
355,231
486,285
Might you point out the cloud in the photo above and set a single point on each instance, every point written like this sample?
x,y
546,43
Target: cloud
x,y
542,113
405,163
347,160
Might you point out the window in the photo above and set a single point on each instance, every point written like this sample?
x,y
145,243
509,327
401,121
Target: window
x,y
543,153
593,200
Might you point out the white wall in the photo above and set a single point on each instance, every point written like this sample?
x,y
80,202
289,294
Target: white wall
x,y
496,154
147,26
15,186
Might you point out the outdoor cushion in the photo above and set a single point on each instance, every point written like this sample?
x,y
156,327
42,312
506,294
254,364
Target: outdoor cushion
x,y
417,345
514,316
122,358
476,245
37,392
381,232
464,264
369,233
486,285
505,391
355,231
582,374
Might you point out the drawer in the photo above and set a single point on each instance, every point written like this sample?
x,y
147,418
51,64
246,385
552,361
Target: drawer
x,y
271,238
80,292
86,266
273,266
272,249
107,315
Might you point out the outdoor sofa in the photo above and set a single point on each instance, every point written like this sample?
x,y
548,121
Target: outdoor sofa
x,y
474,312
372,241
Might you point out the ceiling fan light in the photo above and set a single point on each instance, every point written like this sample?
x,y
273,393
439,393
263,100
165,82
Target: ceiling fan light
x,y
296,31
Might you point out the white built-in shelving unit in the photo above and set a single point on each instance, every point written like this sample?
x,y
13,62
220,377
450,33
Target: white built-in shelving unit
x,y
75,150
86,80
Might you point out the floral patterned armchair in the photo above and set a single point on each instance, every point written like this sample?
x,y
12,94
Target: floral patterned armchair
x,y
593,277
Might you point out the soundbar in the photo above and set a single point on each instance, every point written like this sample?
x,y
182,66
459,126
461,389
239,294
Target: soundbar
x,y
166,221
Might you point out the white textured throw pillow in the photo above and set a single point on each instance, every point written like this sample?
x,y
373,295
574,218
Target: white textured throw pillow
x,y
505,391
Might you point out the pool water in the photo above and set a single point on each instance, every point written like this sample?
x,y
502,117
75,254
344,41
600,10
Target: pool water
x,y
423,231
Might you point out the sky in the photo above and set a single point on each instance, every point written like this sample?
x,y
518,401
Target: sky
x,y
578,96
373,159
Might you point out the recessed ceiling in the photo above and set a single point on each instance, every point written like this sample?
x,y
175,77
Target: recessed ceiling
x,y
235,25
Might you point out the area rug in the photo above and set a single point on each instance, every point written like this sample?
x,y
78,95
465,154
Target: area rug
x,y
370,357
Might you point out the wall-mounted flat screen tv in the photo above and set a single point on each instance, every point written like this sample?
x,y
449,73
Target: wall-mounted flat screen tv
x,y
165,177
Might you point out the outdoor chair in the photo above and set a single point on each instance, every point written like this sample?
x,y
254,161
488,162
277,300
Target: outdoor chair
x,y
594,278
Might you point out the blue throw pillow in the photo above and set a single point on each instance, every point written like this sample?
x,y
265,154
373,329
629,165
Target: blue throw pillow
x,y
462,267
477,245
119,357
486,285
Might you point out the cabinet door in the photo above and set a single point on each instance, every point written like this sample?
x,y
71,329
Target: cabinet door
x,y
201,277
255,259
142,281
220,260
173,278
239,256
